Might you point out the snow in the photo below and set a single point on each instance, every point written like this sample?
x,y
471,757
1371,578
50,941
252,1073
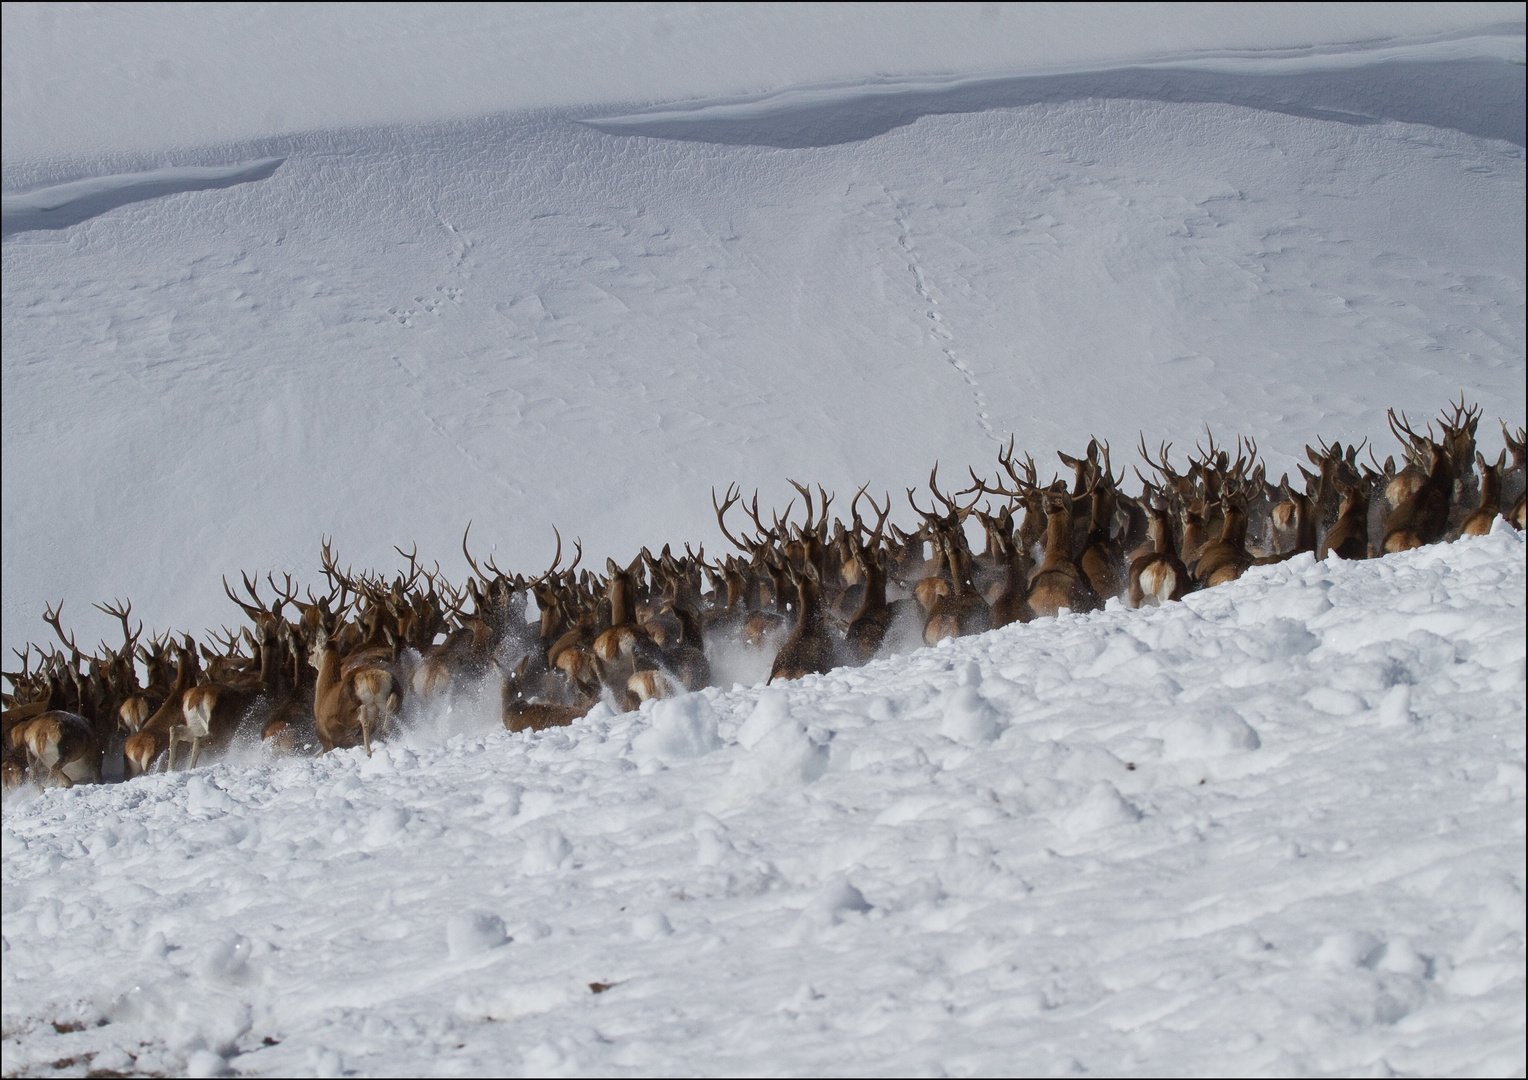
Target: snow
x,y
525,320
1162,849
84,78
63,205
270,274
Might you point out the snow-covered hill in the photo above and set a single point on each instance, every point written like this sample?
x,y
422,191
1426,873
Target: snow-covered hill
x,y
589,319
1276,829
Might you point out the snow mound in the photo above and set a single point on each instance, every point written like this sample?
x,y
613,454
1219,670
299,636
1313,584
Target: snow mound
x,y
1169,852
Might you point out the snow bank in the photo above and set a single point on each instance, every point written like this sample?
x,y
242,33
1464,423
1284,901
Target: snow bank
x,y
1277,828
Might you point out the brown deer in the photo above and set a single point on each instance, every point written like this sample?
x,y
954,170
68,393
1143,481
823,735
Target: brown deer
x,y
873,617
625,648
349,700
1010,597
1102,561
1293,520
1479,520
1515,478
145,745
1159,575
1421,517
521,713
1348,537
62,746
1059,582
809,648
1227,558
960,608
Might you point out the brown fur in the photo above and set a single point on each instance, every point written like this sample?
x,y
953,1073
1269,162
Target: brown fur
x,y
1059,583
56,741
808,649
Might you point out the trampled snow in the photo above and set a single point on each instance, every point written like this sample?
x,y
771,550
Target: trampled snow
x,y
1275,829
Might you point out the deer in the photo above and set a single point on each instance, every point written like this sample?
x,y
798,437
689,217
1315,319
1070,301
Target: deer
x,y
1348,538
684,654
959,608
1102,558
1514,477
1059,582
1227,558
1421,516
1293,521
59,745
625,648
1009,598
759,624
66,746
145,745
1157,576
809,648
521,713
349,700
873,617
1478,522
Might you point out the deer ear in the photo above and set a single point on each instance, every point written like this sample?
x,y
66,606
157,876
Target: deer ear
x,y
611,568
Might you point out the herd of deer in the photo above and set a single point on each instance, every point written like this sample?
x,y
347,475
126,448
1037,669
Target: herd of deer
x,y
337,673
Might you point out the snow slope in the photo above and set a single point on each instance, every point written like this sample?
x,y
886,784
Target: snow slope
x,y
1276,829
588,317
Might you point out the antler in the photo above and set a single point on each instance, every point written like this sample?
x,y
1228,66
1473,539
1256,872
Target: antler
x,y
122,611
733,496
51,617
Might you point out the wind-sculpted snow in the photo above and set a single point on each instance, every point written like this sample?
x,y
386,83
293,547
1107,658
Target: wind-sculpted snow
x,y
63,205
1470,85
1276,828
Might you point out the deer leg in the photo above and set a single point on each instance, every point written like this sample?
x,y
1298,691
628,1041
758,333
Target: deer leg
x,y
366,730
196,750
61,776
174,736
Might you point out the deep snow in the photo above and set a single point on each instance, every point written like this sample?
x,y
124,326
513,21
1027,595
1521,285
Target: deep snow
x,y
1275,829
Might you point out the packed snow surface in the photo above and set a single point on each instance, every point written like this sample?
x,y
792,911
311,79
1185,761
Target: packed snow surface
x,y
1275,829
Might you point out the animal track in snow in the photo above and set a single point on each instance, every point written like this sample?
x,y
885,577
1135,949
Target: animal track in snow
x,y
431,305
937,329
